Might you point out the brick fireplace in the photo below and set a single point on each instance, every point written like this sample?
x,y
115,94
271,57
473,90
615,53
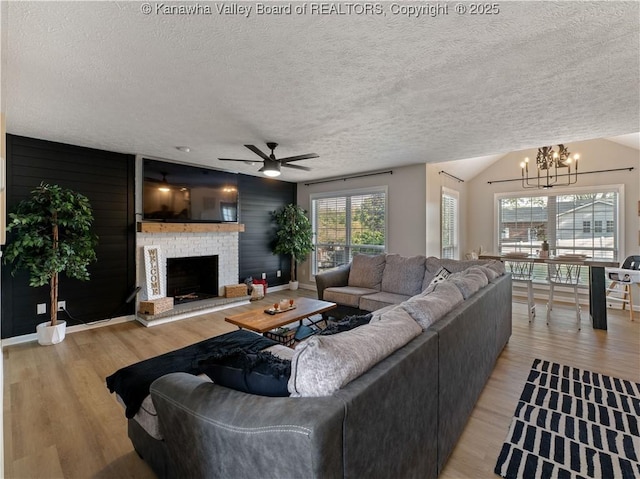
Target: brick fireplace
x,y
181,245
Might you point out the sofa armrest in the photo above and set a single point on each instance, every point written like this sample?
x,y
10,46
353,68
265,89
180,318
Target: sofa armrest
x,y
212,431
334,277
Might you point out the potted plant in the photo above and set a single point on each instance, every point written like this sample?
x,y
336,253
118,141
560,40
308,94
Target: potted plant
x,y
51,234
542,235
294,236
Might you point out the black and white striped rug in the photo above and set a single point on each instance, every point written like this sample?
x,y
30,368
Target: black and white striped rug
x,y
572,423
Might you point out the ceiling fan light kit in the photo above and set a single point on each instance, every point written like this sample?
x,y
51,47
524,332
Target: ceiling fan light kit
x,y
271,168
271,165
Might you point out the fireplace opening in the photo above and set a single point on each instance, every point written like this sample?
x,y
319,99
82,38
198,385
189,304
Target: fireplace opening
x,y
192,279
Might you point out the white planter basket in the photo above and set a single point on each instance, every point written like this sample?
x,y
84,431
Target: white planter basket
x,y
293,285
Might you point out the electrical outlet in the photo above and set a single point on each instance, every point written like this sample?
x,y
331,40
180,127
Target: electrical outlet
x,y
42,308
264,275
278,273
62,305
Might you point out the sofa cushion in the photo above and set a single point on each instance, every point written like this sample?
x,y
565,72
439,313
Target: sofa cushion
x,y
403,275
434,303
346,295
323,364
433,264
469,281
497,266
491,274
346,324
366,271
259,373
375,301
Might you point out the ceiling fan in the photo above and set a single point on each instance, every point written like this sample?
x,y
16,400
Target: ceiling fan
x,y
271,166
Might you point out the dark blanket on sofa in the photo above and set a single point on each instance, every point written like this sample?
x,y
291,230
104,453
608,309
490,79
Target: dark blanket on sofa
x,y
132,383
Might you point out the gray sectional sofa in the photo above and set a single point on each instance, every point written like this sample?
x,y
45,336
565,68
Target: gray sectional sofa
x,y
387,399
373,282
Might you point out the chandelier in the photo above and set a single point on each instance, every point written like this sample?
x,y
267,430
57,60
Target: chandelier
x,y
549,168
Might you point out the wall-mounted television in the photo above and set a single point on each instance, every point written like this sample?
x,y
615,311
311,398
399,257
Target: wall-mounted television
x,y
181,193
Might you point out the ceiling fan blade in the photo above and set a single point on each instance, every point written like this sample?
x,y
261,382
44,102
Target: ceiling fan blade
x,y
299,157
246,161
258,152
297,167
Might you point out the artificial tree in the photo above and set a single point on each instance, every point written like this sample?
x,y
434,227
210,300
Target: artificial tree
x,y
51,234
294,236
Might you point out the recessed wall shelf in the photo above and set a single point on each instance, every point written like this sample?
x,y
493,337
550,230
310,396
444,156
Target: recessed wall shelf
x,y
153,227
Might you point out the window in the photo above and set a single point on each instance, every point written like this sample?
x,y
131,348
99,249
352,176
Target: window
x,y
348,223
571,223
597,227
449,224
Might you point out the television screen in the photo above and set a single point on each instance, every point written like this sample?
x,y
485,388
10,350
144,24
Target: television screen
x,y
182,193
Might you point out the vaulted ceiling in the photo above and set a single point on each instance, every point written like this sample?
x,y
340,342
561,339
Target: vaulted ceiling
x,y
363,91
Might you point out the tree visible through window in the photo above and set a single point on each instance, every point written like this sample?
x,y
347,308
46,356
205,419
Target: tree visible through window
x,y
347,224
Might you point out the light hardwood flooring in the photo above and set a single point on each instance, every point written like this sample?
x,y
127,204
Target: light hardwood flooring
x,y
61,421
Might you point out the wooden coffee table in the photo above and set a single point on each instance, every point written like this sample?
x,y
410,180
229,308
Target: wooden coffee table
x,y
261,322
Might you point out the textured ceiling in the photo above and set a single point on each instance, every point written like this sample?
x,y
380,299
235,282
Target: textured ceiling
x,y
364,92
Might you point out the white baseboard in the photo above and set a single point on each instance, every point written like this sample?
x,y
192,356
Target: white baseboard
x,y
27,338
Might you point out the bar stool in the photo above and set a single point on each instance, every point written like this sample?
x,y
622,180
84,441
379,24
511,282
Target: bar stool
x,y
622,290
522,272
563,273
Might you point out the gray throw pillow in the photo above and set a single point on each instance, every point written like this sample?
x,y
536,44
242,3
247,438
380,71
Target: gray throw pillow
x,y
366,271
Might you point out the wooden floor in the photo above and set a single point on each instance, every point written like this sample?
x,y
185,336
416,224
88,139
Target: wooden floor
x,y
61,421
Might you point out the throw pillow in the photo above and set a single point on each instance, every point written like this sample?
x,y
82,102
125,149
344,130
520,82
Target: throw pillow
x,y
441,275
258,373
366,271
346,324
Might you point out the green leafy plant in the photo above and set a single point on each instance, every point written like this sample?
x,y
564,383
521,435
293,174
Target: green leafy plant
x,y
294,236
51,234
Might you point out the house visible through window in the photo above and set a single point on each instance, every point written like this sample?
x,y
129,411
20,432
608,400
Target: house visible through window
x,y
348,223
449,224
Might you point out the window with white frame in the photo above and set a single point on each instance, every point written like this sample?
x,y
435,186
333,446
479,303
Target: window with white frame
x,y
347,223
449,224
572,223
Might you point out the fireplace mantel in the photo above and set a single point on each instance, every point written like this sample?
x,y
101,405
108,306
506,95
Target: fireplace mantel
x,y
159,227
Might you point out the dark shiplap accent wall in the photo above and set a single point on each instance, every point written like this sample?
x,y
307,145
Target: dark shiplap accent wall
x,y
107,179
258,198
